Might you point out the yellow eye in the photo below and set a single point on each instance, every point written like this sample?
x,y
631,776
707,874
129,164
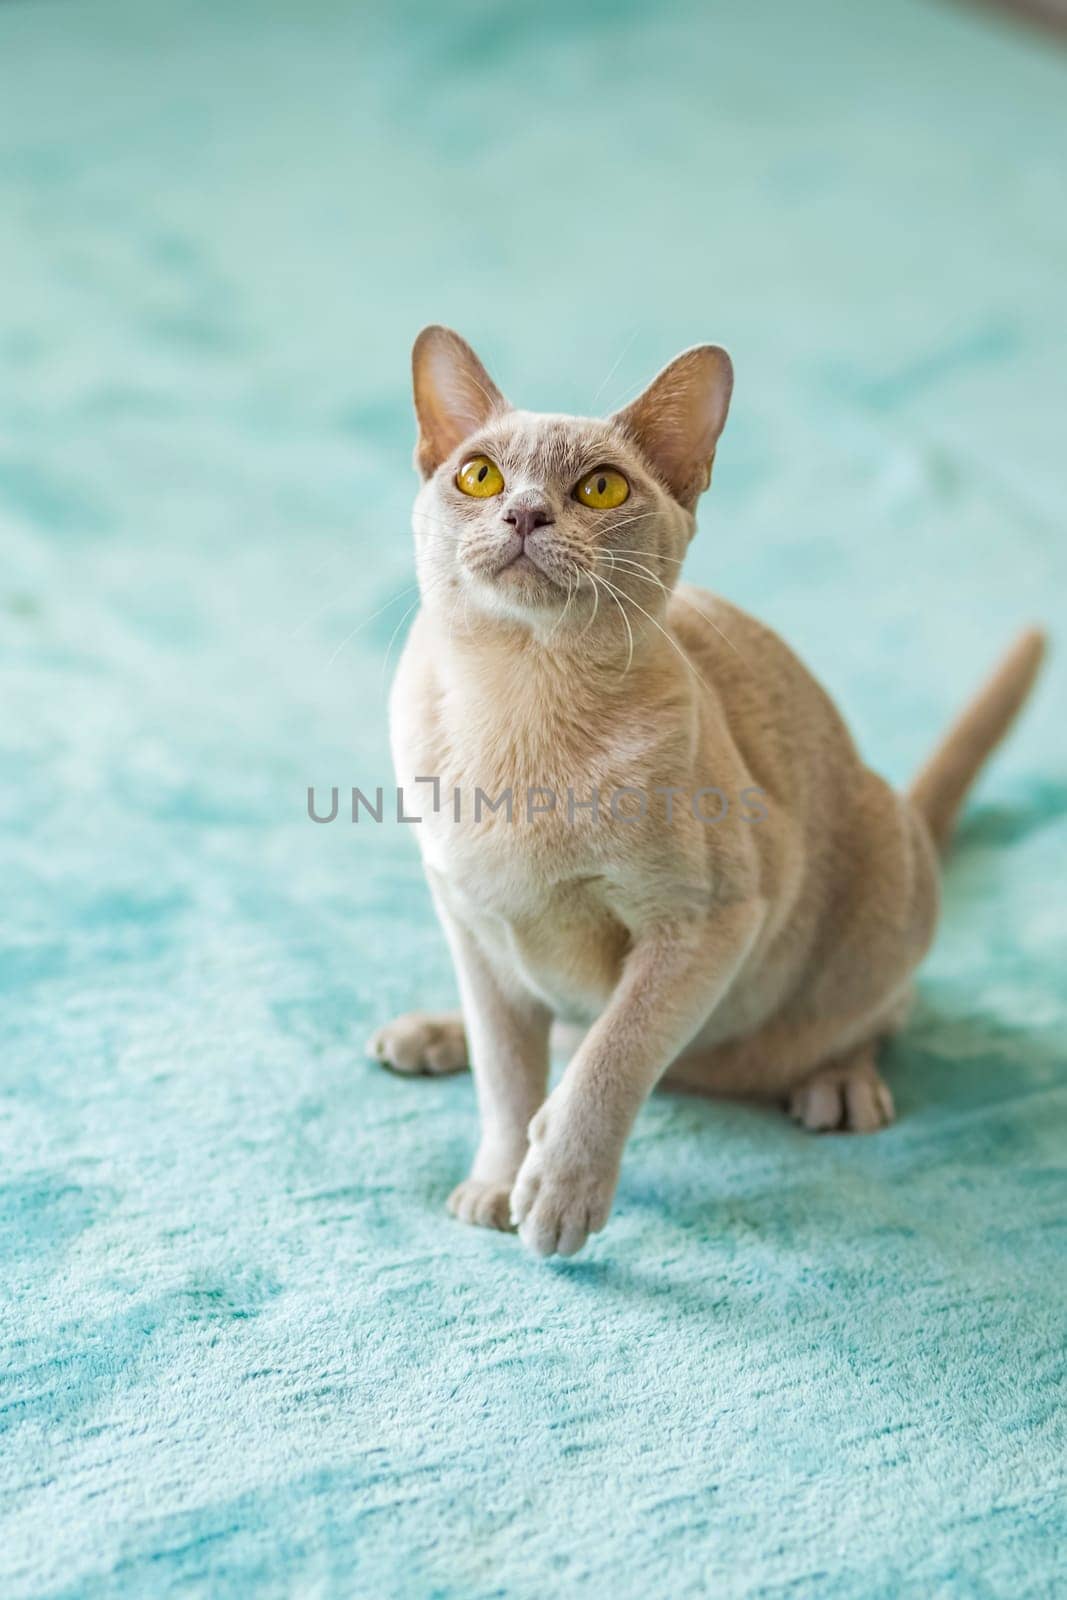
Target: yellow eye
x,y
603,489
480,477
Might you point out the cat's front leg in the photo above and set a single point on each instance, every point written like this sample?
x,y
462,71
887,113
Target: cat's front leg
x,y
674,977
507,1033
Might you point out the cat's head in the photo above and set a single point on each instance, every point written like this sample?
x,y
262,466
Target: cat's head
x,y
554,520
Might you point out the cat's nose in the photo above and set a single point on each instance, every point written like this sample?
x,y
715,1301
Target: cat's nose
x,y
525,518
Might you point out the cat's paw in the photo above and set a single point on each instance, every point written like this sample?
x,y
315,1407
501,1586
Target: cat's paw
x,y
421,1044
564,1190
848,1097
483,1205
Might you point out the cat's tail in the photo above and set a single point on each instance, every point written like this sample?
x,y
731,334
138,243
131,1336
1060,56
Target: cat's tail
x,y
939,789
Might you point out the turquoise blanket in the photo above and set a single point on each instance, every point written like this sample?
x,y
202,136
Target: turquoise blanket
x,y
244,1351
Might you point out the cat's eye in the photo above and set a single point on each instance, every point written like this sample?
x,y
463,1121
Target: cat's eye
x,y
480,477
602,489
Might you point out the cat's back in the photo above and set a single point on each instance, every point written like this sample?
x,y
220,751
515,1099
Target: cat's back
x,y
785,725
867,862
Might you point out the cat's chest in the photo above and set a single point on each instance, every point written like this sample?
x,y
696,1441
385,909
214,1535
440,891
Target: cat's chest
x,y
549,911
538,885
520,858
519,834
514,820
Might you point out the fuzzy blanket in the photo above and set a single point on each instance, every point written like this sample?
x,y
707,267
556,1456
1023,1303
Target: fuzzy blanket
x,y
243,1349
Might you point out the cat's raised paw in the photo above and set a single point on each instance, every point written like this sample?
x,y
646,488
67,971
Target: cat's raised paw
x,y
848,1097
420,1044
563,1192
483,1205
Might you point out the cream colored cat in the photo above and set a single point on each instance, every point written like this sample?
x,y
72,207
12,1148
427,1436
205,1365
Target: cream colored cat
x,y
763,954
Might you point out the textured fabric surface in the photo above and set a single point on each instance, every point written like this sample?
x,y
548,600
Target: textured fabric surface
x,y
244,1350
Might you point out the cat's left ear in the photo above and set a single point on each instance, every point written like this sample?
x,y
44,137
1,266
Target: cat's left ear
x,y
676,423
454,395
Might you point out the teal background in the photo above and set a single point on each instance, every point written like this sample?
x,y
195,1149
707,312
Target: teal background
x,y
243,1349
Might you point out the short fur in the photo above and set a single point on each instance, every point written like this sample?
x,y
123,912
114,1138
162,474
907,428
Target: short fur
x,y
758,958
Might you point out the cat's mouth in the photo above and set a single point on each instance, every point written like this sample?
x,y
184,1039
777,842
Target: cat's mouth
x,y
523,570
521,562
523,573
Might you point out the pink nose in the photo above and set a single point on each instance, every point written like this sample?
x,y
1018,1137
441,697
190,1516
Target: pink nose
x,y
524,519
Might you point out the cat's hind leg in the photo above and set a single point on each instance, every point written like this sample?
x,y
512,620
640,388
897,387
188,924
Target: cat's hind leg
x,y
422,1044
848,1095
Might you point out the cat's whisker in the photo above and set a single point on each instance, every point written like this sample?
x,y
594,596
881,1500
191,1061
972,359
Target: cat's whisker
x,y
572,590
346,639
492,399
677,595
365,622
440,528
626,522
461,594
424,589
627,395
613,369
336,600
436,583
638,570
614,593
703,614
392,639
638,567
675,646
596,599
632,550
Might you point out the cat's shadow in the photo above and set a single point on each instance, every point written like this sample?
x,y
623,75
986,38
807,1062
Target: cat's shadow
x,y
947,1070
946,1059
989,825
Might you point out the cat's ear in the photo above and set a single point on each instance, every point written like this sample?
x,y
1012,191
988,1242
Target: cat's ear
x,y
676,423
454,395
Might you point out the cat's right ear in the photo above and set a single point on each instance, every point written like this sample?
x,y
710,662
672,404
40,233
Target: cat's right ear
x,y
676,423
454,395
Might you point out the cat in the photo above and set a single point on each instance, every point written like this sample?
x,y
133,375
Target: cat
x,y
555,653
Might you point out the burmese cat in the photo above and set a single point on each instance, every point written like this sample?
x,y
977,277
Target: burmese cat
x,y
555,651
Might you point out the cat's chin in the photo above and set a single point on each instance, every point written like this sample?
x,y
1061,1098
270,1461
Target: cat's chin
x,y
522,585
524,571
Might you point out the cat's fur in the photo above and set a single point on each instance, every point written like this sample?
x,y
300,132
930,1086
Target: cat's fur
x,y
764,959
